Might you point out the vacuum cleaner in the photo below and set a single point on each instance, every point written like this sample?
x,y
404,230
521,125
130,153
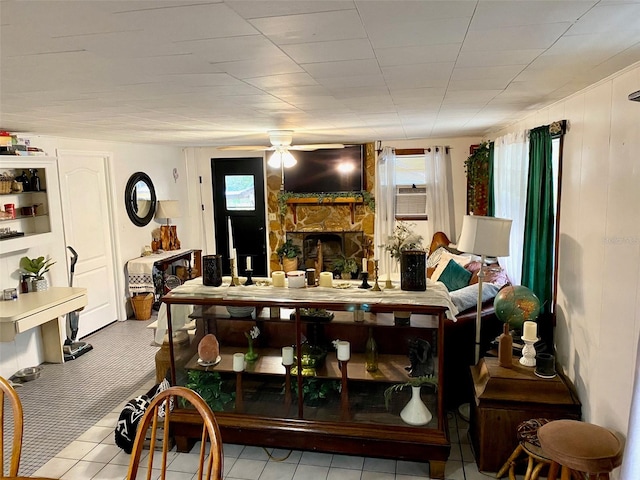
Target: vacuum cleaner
x,y
72,349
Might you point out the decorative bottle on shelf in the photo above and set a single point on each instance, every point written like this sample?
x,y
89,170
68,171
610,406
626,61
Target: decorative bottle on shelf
x,y
35,180
371,353
505,347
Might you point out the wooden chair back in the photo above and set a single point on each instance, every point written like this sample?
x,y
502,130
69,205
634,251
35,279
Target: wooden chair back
x,y
6,390
210,464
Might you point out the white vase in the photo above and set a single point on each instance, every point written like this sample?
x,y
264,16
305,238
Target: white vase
x,y
415,411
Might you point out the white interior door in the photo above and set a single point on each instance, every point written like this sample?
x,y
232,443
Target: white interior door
x,y
87,228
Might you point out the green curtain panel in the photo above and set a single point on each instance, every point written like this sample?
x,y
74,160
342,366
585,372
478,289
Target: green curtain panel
x,y
537,262
492,201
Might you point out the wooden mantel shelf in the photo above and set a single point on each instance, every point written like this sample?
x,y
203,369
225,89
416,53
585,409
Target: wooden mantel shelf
x,y
351,201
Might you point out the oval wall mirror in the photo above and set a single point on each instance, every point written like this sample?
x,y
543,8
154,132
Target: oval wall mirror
x,y
140,199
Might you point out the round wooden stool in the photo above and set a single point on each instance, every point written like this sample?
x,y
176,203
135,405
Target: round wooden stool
x,y
580,447
528,443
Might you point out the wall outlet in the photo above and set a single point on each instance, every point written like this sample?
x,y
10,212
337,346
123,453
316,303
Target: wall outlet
x,y
272,217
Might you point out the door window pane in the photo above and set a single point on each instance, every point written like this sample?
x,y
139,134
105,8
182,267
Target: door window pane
x,y
239,192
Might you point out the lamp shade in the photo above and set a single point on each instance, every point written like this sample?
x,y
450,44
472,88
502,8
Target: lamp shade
x,y
488,236
168,209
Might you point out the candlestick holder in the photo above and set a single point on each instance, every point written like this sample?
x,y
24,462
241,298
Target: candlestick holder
x,y
232,265
248,272
365,276
287,385
376,287
528,353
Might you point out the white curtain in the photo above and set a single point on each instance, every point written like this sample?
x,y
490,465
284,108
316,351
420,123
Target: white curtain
x,y
385,208
439,192
510,172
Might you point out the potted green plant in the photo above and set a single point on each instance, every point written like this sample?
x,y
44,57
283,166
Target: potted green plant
x,y
345,266
210,387
288,253
316,391
35,268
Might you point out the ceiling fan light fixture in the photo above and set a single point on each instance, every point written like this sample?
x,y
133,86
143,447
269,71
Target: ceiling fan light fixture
x,y
282,156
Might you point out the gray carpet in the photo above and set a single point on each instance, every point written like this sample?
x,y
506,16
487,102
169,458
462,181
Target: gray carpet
x,y
69,398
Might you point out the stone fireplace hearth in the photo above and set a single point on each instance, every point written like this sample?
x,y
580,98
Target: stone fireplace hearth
x,y
333,244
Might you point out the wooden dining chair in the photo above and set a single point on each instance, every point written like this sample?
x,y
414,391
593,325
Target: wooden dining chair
x,y
211,456
6,390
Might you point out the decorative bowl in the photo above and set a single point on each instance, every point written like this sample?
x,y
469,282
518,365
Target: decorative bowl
x,y
28,374
240,312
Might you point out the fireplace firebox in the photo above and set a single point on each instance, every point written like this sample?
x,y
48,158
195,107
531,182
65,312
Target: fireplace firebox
x,y
332,245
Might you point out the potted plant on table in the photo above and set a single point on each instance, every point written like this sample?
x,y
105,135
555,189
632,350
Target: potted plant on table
x,y
288,253
345,267
35,268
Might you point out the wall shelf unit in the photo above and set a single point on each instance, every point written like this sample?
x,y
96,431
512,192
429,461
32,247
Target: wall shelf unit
x,y
36,229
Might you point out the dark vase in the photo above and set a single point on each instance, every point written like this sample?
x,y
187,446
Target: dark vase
x,y
413,270
212,270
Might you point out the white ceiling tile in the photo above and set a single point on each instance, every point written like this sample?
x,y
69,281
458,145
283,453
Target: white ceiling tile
x,y
342,68
491,58
311,27
514,38
260,8
353,81
619,17
330,51
498,13
419,75
258,67
388,57
419,32
285,80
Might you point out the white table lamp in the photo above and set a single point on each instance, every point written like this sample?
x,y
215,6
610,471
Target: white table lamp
x,y
487,237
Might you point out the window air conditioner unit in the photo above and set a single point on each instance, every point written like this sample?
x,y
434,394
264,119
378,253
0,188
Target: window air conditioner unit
x,y
411,202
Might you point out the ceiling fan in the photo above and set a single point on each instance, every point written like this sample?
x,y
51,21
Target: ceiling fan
x,y
281,141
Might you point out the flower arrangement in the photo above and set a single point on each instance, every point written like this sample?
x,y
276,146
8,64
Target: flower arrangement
x,y
251,335
403,238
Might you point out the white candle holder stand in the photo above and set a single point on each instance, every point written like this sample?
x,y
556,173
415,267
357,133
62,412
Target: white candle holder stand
x,y
528,353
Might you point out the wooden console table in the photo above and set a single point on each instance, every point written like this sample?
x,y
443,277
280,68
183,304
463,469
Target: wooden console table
x,y
505,397
140,270
45,310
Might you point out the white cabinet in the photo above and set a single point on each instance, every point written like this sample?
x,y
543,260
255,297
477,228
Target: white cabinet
x,y
36,227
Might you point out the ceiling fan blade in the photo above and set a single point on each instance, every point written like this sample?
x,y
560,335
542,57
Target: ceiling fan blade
x,y
318,146
244,147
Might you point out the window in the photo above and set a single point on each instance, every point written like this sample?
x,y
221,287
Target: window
x,y
411,188
239,192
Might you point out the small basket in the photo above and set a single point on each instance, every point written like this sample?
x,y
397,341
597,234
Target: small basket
x,y
142,305
5,185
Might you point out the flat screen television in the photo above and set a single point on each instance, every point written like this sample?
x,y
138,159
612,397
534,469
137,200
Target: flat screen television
x,y
327,170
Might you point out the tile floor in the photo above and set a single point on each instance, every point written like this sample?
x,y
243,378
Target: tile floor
x,y
94,455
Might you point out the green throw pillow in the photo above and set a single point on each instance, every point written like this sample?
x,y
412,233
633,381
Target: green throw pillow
x,y
454,276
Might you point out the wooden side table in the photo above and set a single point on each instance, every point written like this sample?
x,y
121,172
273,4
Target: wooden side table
x,y
504,397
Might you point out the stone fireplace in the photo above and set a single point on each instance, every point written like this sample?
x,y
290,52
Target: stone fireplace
x,y
333,244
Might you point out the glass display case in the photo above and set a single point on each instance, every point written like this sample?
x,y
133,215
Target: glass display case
x,y
336,404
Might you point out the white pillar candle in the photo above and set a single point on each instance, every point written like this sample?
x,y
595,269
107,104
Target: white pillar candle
x,y
287,355
231,249
364,265
344,351
248,262
530,331
326,279
238,362
277,278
